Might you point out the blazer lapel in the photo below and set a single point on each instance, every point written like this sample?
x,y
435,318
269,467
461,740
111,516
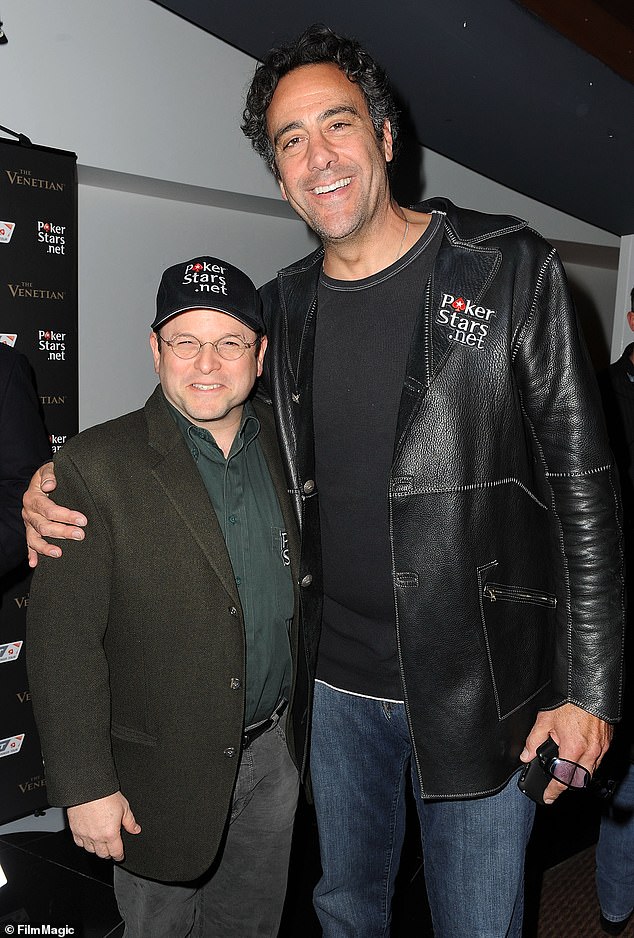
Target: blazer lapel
x,y
179,479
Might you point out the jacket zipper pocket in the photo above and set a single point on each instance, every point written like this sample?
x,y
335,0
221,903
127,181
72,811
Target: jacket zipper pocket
x,y
497,591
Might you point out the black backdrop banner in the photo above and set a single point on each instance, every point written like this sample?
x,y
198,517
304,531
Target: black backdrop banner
x,y
38,316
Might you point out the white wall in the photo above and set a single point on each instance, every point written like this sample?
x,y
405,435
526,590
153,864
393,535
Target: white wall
x,y
129,87
465,187
151,105
594,291
622,334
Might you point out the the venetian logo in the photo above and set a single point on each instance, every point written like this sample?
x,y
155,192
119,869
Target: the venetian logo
x,y
23,177
26,291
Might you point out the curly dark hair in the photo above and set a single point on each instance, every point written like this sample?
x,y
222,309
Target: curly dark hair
x,y
318,44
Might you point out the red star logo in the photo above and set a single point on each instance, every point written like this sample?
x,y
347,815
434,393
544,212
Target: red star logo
x,y
459,304
197,267
47,335
47,227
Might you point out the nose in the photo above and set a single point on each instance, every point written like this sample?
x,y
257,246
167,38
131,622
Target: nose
x,y
208,359
321,153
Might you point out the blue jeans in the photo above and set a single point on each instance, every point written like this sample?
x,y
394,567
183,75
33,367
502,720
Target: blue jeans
x,y
243,896
473,850
615,853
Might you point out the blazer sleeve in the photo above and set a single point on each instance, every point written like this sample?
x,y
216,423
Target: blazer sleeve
x,y
23,447
67,668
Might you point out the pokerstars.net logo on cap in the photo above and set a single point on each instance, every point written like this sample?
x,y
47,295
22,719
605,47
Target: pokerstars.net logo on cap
x,y
6,230
11,745
8,338
206,277
10,652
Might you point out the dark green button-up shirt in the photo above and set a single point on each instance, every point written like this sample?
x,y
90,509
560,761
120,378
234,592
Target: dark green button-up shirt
x,y
246,505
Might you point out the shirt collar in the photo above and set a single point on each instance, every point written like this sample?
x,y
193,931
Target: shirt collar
x,y
197,437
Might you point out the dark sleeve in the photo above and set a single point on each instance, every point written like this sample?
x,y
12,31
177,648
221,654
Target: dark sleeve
x,y
66,661
24,447
563,409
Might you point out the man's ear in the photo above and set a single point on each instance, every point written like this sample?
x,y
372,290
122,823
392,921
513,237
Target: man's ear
x,y
630,319
282,189
263,344
156,352
388,143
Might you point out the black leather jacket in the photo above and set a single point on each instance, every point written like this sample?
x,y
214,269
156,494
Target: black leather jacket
x,y
504,507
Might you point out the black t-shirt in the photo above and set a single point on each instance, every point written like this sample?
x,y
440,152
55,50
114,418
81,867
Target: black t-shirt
x,y
364,330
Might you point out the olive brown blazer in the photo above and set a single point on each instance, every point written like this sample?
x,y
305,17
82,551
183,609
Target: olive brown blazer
x,y
135,641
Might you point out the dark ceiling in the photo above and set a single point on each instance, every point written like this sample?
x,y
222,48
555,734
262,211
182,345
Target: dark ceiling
x,y
489,84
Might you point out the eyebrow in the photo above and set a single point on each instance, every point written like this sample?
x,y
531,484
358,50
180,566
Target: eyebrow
x,y
226,335
324,116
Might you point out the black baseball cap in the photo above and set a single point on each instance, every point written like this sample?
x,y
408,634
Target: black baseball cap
x,y
208,283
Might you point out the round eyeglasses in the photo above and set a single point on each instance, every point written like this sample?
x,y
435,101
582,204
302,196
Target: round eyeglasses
x,y
230,347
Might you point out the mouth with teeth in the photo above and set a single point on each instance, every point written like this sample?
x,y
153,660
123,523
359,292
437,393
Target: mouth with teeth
x,y
339,184
206,387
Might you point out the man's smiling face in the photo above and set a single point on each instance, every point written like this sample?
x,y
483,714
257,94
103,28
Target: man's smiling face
x,y
207,389
332,169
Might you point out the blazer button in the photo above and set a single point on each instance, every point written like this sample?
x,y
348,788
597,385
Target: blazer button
x,y
230,752
306,580
309,486
235,683
233,611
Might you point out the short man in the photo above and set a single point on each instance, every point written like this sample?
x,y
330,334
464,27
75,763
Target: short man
x,y
445,448
23,447
161,652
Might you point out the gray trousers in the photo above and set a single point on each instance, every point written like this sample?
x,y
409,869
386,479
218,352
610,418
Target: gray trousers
x,y
244,895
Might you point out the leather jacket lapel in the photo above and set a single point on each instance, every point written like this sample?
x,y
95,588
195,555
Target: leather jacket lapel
x,y
462,270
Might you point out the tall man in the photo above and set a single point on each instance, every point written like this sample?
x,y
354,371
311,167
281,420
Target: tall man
x,y
161,652
445,449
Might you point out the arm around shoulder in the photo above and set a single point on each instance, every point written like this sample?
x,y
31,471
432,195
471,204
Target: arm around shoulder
x,y
44,518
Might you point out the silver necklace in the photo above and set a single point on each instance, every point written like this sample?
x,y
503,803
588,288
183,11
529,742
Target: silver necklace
x,y
400,247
